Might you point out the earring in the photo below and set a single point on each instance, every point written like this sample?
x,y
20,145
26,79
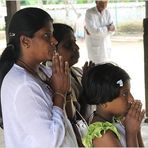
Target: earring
x,y
26,46
51,43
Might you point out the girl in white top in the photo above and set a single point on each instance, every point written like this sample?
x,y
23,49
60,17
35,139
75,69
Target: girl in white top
x,y
32,96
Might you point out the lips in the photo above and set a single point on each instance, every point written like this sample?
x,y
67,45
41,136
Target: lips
x,y
52,48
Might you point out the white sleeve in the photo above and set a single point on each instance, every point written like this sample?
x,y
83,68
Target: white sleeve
x,y
110,21
42,122
92,29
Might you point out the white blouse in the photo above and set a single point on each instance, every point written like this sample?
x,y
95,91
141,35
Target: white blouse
x,y
30,119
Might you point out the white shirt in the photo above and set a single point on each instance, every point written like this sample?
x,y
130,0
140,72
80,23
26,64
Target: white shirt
x,y
121,130
98,42
30,119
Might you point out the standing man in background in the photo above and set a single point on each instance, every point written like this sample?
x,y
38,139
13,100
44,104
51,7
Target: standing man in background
x,y
98,29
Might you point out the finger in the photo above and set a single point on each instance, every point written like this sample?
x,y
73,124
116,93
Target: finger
x,y
66,68
91,64
141,115
53,64
85,65
130,112
61,64
67,76
138,110
69,83
56,62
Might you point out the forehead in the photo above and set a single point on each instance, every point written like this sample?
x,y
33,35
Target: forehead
x,y
47,28
126,86
70,36
101,1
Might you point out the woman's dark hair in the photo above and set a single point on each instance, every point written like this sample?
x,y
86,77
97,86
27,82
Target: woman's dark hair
x,y
100,84
61,32
26,22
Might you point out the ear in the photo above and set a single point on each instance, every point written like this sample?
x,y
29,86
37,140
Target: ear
x,y
25,41
104,105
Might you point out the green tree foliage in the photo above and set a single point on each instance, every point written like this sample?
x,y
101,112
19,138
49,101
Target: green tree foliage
x,y
82,1
53,1
123,1
33,2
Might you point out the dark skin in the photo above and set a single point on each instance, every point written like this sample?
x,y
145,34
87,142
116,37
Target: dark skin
x,y
101,5
69,50
41,48
133,114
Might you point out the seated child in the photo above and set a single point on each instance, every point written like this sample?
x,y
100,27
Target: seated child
x,y
117,119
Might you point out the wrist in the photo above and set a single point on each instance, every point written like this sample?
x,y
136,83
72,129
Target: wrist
x,y
68,97
68,93
59,99
60,94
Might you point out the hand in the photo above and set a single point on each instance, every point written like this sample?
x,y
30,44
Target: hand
x,y
134,118
87,66
87,32
60,75
111,27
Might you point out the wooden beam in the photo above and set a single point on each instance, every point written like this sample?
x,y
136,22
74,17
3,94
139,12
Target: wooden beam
x,y
146,7
12,7
145,40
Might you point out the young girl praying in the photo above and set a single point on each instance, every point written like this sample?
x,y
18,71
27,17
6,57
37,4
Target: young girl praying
x,y
117,119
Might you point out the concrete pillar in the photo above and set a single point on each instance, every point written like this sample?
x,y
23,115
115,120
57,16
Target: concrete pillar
x,y
12,7
146,7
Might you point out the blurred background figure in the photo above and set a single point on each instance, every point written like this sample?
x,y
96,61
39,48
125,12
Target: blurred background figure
x,y
98,28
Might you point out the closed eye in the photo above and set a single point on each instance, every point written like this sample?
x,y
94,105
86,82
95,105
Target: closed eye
x,y
48,35
124,94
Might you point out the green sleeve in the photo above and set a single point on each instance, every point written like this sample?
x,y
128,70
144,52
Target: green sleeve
x,y
96,130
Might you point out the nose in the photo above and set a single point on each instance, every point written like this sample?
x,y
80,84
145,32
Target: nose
x,y
130,98
77,47
53,41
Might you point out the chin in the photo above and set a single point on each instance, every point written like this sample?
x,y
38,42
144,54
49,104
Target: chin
x,y
125,113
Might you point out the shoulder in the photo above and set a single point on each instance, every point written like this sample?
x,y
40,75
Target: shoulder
x,y
91,10
20,81
77,71
108,139
107,11
100,130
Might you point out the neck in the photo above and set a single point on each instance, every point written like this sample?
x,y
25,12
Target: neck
x,y
29,67
29,63
36,72
100,115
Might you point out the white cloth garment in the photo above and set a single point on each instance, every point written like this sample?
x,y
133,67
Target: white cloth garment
x,y
121,130
30,119
98,41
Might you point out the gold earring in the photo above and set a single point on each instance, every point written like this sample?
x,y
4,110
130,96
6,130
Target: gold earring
x,y
26,46
51,43
104,105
